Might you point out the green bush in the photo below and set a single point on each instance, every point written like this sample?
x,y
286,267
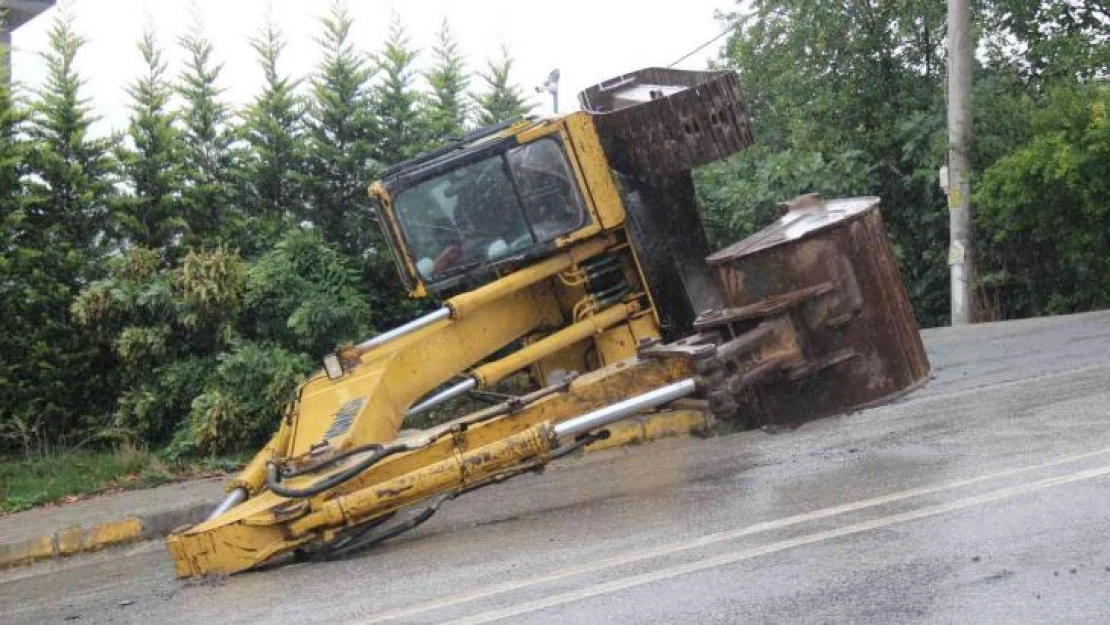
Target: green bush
x,y
305,295
243,400
153,409
1046,209
739,196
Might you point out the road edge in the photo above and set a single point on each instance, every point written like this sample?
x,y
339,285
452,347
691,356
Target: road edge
x,y
77,539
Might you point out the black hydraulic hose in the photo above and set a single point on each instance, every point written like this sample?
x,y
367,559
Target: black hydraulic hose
x,y
273,478
368,538
343,544
595,273
362,541
581,442
288,473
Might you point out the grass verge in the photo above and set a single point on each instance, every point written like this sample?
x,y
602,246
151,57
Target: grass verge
x,y
58,477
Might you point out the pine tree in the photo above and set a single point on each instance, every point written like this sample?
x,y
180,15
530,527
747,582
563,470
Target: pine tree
x,y
341,140
150,215
17,315
62,237
502,99
395,100
68,201
275,133
446,108
208,157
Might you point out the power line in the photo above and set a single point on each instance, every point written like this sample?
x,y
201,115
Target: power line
x,y
704,45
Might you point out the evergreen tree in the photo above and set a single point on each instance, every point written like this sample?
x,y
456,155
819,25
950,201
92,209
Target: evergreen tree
x,y
67,205
150,215
60,236
17,317
208,157
395,100
275,133
446,109
341,139
502,99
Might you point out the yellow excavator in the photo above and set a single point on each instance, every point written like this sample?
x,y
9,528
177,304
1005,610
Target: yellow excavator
x,y
567,255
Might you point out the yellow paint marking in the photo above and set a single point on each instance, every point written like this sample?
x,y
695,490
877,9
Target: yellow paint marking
x,y
107,534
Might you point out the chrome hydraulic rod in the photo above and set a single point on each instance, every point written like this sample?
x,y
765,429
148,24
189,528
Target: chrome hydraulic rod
x,y
442,396
402,330
609,414
234,498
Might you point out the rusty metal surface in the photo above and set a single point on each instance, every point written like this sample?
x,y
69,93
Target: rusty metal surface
x,y
818,321
666,231
665,121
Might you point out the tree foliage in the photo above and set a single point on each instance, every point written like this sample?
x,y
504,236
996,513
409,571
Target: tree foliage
x,y
276,155
173,285
501,99
150,215
341,139
395,99
849,98
56,228
845,98
1045,208
446,108
208,158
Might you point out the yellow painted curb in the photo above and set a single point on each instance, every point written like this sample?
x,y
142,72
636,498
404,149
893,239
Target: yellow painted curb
x,y
38,548
108,534
651,427
71,540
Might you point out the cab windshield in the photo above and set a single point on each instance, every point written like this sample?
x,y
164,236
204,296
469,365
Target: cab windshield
x,y
489,209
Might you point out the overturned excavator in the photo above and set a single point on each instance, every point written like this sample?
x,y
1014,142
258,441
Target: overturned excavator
x,y
568,253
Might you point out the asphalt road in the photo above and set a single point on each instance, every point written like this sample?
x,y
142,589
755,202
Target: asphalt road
x,y
984,497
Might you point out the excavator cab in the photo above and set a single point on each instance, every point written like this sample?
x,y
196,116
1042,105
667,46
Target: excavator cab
x,y
458,217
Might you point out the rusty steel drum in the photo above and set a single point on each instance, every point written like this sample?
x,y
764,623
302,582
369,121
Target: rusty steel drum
x,y
823,281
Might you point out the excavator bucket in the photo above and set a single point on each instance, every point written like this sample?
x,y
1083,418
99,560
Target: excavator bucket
x,y
824,281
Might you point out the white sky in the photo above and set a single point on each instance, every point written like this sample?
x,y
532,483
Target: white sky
x,y
588,40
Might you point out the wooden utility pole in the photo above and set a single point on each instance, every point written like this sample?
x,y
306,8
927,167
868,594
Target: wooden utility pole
x,y
960,259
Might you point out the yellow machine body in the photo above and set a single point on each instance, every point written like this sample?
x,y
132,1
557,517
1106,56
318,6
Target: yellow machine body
x,y
538,318
566,256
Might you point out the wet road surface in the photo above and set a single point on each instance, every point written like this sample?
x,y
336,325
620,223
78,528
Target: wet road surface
x,y
984,497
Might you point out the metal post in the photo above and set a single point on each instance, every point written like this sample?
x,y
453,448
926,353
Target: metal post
x,y
551,85
959,163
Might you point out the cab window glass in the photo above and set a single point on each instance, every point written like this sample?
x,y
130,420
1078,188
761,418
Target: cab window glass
x,y
547,190
483,211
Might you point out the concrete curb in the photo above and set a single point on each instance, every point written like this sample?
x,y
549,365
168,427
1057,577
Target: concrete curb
x,y
86,539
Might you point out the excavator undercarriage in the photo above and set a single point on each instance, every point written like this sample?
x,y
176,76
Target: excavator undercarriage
x,y
568,252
